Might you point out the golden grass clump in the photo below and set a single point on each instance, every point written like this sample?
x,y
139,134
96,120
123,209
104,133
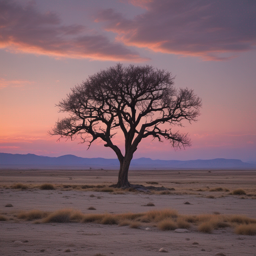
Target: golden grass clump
x,y
182,223
64,215
124,223
92,218
3,218
32,215
159,215
239,192
240,219
205,227
109,219
218,221
20,186
129,216
167,224
47,186
246,229
134,224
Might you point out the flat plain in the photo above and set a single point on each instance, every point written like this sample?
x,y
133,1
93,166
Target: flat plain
x,y
207,212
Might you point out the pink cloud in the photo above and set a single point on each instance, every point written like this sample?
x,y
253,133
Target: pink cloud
x,y
212,30
14,83
25,29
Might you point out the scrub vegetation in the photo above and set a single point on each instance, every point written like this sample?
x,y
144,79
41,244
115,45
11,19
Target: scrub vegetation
x,y
165,219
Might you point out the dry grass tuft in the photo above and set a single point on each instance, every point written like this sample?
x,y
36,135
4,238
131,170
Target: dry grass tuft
x,y
240,219
182,223
109,219
159,215
167,224
205,227
239,192
92,218
152,182
32,215
134,224
129,216
166,219
64,215
47,186
20,186
245,229
3,218
124,223
217,189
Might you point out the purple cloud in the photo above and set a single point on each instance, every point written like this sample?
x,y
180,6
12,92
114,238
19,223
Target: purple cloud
x,y
209,29
25,29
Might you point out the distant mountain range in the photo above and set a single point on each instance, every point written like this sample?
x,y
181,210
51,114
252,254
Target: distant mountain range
x,y
32,161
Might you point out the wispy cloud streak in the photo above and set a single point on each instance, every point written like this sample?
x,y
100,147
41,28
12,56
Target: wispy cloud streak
x,y
212,30
14,83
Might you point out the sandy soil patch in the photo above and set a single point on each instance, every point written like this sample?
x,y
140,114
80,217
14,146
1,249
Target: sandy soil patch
x,y
195,193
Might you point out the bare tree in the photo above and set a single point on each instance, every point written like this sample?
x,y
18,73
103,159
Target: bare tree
x,y
138,100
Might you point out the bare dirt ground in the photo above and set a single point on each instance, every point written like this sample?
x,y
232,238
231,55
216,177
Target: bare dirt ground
x,y
191,192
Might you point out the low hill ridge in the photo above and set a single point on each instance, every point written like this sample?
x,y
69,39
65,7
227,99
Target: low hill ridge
x,y
74,162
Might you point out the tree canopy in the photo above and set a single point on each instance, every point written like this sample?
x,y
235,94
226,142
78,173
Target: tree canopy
x,y
141,101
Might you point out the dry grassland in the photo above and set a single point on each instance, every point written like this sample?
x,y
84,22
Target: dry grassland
x,y
165,219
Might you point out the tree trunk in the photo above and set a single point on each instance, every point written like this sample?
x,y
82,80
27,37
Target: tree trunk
x,y
123,173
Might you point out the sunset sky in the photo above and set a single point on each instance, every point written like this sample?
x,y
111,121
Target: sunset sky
x,y
47,47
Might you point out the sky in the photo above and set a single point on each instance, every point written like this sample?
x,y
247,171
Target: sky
x,y
48,47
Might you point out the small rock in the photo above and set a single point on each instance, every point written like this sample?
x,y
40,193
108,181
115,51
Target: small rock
x,y
162,250
17,242
195,243
181,230
220,254
67,250
25,241
8,205
203,250
147,229
187,239
187,203
42,250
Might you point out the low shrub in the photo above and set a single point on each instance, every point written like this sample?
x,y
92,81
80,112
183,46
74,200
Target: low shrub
x,y
64,215
134,224
182,223
32,215
246,229
109,219
47,186
205,227
167,224
239,192
20,186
